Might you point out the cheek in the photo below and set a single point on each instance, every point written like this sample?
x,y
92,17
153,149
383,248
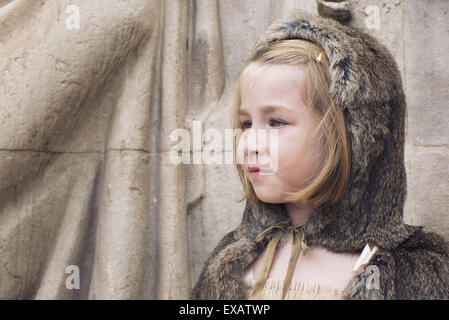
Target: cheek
x,y
290,152
297,162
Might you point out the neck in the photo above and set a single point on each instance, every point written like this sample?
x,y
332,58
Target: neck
x,y
297,212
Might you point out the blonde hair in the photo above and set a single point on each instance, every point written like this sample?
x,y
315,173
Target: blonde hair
x,y
330,183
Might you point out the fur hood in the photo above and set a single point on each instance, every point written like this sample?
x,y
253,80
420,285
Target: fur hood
x,y
366,83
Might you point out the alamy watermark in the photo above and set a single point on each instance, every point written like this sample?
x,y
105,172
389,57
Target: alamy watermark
x,y
372,21
259,147
73,280
72,21
372,281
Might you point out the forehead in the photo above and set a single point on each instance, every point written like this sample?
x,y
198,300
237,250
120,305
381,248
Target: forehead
x,y
254,69
275,84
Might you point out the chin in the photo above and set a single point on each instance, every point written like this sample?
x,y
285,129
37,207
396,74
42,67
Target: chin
x,y
269,197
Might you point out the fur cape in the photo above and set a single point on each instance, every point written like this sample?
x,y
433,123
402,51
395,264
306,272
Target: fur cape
x,y
366,83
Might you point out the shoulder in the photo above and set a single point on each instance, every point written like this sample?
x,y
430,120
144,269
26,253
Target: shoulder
x,y
422,266
208,281
200,290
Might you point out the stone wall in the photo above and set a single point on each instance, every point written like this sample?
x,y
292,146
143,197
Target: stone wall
x,y
86,116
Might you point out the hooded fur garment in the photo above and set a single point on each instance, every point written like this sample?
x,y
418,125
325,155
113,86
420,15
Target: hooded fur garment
x,y
366,84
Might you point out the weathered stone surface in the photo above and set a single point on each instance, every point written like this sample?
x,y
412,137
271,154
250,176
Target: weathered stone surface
x,y
426,28
44,228
86,115
428,189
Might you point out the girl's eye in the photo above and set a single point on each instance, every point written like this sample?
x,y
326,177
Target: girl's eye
x,y
246,124
273,123
277,123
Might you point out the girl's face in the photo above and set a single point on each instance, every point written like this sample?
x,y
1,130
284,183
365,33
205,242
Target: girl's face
x,y
271,100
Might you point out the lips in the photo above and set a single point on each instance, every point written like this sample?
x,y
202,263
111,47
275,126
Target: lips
x,y
256,171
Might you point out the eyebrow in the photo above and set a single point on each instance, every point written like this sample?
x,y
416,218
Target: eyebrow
x,y
267,109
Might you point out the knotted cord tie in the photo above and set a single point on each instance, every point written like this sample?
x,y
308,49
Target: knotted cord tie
x,y
299,245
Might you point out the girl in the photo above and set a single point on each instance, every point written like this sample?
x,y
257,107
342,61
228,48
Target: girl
x,y
326,220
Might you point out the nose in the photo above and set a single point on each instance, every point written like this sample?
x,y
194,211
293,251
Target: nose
x,y
255,145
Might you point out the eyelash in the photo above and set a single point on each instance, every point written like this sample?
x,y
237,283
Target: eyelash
x,y
274,120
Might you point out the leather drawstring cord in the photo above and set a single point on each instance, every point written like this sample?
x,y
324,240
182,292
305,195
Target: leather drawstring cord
x,y
299,245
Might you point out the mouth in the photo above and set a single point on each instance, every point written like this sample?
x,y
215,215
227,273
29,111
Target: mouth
x,y
256,172
253,169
